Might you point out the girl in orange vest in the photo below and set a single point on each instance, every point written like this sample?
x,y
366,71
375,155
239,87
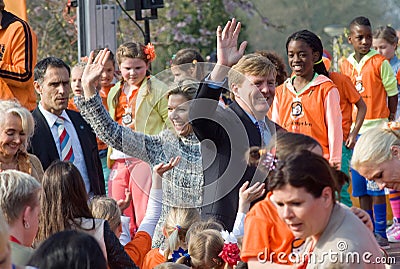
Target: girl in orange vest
x,y
309,102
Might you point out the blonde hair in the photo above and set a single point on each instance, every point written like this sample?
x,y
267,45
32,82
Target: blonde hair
x,y
17,190
177,223
374,146
171,265
14,107
198,227
204,248
250,64
103,207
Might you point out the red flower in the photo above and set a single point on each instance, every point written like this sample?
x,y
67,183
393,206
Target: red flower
x,y
230,254
150,52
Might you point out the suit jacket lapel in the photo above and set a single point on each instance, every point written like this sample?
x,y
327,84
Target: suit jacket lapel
x,y
251,129
44,135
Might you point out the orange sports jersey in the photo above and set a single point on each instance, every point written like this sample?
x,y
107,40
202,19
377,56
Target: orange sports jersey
x,y
138,247
152,259
348,96
305,113
266,234
104,94
18,55
372,90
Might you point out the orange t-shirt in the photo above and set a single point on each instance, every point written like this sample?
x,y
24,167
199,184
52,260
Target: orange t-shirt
x,y
71,105
138,247
104,93
152,259
373,91
348,96
265,234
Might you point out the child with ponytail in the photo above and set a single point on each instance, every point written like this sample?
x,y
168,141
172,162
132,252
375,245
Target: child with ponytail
x,y
309,102
177,224
137,102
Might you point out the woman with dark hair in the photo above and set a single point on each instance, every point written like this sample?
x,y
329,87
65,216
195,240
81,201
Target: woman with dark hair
x,y
183,185
187,63
64,206
303,188
69,250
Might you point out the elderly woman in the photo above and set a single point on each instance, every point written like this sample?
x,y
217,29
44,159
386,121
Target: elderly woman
x,y
19,201
16,128
303,189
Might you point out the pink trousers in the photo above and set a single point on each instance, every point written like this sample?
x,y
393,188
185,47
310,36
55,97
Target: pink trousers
x,y
135,175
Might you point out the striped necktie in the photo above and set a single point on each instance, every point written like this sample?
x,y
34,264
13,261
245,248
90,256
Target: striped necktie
x,y
261,129
67,153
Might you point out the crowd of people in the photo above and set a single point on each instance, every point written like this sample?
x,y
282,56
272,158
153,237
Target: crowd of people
x,y
152,171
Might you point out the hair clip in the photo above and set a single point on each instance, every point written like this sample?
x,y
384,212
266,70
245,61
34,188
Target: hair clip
x,y
150,52
177,254
269,160
177,227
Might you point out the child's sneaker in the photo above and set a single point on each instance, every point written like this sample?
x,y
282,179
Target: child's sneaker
x,y
383,242
393,232
394,223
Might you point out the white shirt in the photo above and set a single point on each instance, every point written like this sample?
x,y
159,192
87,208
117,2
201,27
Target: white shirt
x,y
79,160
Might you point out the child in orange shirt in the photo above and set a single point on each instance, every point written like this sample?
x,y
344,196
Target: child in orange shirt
x,y
180,220
176,225
308,102
140,245
106,83
374,79
349,97
136,101
76,86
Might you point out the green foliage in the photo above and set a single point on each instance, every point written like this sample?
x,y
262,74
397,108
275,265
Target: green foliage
x,y
55,29
192,23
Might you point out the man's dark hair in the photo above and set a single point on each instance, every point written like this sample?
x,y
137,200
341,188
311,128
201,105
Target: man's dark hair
x,y
41,67
360,21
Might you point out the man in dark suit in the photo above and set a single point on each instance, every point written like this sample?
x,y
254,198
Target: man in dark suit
x,y
228,133
52,83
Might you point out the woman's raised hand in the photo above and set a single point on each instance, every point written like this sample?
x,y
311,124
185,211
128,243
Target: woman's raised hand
x,y
92,71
